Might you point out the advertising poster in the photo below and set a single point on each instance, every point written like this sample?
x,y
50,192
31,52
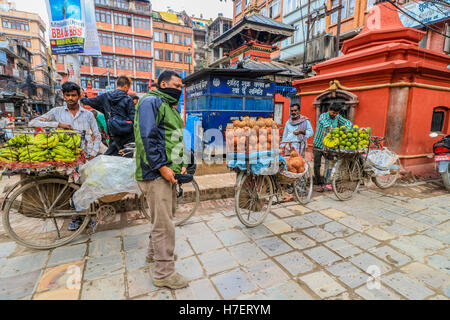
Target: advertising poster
x,y
91,43
67,27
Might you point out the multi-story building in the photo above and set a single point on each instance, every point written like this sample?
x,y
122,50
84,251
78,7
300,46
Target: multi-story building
x,y
218,27
311,43
173,42
125,35
200,30
29,29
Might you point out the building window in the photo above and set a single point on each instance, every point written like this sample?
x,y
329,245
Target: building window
x,y
438,121
187,58
122,19
275,8
105,39
347,11
187,40
168,37
141,86
102,16
84,60
123,42
247,3
298,34
158,72
60,59
158,54
169,55
141,23
158,35
370,4
143,65
16,24
25,42
238,7
178,39
124,63
263,12
121,4
103,2
84,81
142,44
178,57
103,61
291,5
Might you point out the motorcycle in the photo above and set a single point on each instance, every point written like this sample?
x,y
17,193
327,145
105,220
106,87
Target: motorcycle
x,y
441,151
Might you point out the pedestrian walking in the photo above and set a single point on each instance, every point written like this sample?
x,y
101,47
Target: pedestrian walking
x,y
156,125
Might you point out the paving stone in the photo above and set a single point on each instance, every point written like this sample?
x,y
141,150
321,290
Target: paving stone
x,y
321,204
322,255
333,214
372,218
298,240
382,293
298,223
66,277
257,232
107,234
143,228
426,274
398,229
229,213
411,207
140,282
447,291
440,262
58,294
104,267
194,229
298,209
266,274
136,259
410,248
220,224
18,286
190,268
295,262
316,218
2,262
210,217
438,297
337,229
278,226
247,253
67,254
23,264
232,236
158,295
183,249
111,288
439,234
348,274
366,262
426,242
407,287
217,261
386,214
391,256
362,241
283,212
322,284
318,234
204,242
425,218
233,284
342,247
355,223
273,246
139,241
288,290
198,290
412,224
380,234
105,247
6,248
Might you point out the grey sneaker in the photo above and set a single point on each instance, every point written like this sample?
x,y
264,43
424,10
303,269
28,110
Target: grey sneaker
x,y
150,259
174,281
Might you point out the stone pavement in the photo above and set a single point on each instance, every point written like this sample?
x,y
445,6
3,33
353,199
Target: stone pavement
x,y
391,244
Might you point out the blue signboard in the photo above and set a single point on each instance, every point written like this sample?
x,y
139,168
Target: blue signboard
x,y
427,12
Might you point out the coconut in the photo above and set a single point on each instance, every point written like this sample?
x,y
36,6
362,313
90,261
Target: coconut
x,y
253,140
252,123
296,163
268,122
294,154
261,123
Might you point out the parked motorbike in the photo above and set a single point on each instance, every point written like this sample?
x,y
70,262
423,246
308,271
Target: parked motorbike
x,y
441,151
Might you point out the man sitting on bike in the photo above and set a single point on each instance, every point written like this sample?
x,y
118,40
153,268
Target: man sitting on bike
x,y
298,129
328,120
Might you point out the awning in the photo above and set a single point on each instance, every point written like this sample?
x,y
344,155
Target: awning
x,y
169,17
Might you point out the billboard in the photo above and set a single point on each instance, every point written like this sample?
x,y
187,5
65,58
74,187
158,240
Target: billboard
x,y
91,44
427,12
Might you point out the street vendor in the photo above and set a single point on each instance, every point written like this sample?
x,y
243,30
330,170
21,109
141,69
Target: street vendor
x,y
327,121
298,129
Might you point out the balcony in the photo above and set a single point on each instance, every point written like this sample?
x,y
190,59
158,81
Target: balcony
x,y
130,7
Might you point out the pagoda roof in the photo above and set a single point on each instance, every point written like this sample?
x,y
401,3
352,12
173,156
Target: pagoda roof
x,y
267,31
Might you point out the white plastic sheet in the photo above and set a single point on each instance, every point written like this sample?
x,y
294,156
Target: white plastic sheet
x,y
105,176
381,161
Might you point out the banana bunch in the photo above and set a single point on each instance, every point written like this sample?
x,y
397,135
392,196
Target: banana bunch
x,y
9,154
71,141
45,141
65,154
330,141
35,154
19,141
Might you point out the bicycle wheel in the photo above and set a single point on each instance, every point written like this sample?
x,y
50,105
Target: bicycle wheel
x,y
38,214
303,187
347,174
253,199
187,204
387,181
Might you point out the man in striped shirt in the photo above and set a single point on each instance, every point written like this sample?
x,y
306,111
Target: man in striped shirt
x,y
328,120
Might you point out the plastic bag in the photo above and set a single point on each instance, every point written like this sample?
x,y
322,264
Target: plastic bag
x,y
381,161
104,176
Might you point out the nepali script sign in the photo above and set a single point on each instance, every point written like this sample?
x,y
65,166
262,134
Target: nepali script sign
x,y
67,26
427,12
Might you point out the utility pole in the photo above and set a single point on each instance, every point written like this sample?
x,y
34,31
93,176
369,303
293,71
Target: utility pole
x,y
338,32
307,35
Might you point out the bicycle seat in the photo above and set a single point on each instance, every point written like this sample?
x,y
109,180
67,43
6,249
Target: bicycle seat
x,y
184,178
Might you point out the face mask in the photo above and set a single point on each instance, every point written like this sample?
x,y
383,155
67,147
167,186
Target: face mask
x,y
174,93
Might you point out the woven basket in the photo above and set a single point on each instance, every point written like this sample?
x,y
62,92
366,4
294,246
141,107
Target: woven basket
x,y
113,197
286,177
